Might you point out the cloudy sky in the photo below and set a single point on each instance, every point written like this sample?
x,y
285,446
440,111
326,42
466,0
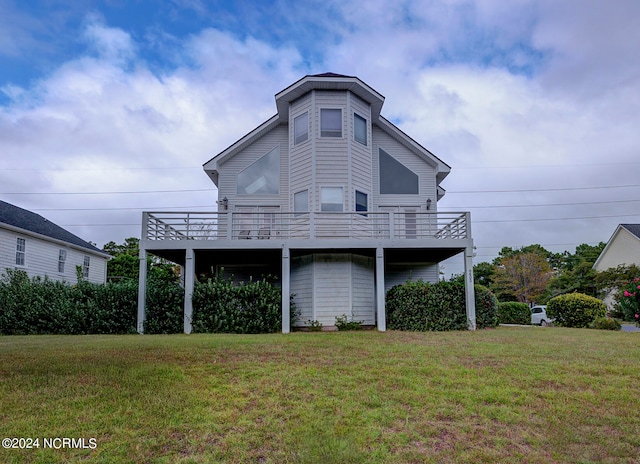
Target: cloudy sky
x,y
109,108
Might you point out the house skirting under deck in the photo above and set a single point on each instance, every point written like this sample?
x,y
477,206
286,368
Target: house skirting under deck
x,y
326,283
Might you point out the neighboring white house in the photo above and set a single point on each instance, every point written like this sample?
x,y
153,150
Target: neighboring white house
x,y
328,195
41,248
623,248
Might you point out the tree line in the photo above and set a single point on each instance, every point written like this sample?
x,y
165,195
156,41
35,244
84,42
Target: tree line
x,y
533,274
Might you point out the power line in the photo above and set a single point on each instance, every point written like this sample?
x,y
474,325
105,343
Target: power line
x,y
545,189
108,193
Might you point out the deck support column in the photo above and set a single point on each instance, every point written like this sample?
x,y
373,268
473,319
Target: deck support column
x,y
286,291
142,289
382,315
468,288
189,280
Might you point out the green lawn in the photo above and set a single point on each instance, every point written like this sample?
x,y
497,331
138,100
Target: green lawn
x,y
505,395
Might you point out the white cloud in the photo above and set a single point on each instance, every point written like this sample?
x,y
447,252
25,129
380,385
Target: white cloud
x,y
577,108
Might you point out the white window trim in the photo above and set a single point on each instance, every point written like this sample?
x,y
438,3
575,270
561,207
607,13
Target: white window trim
x,y
86,266
23,252
62,260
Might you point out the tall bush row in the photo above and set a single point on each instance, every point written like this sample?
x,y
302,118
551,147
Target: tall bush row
x,y
43,306
423,306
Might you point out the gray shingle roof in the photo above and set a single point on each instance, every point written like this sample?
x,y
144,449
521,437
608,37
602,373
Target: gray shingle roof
x,y
32,222
633,228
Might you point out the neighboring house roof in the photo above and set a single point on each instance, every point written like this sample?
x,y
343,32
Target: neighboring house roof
x,y
331,81
19,218
622,248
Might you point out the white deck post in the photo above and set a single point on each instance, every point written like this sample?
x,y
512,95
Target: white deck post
x,y
142,289
189,273
468,287
382,315
286,291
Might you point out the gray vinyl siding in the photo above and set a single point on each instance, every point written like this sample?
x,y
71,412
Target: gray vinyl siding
x,y
426,173
332,295
363,285
361,158
396,273
230,169
302,288
331,160
301,161
41,258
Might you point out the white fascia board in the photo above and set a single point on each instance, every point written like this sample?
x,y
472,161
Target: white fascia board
x,y
211,167
606,248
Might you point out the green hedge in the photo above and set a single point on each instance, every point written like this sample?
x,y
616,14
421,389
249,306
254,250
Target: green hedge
x,y
575,310
422,306
512,312
44,306
219,305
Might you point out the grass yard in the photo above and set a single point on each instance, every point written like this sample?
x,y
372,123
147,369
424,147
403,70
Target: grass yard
x,y
505,395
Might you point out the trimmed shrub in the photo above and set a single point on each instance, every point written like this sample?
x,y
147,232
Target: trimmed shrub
x,y
606,323
486,307
220,306
422,306
575,309
165,308
512,312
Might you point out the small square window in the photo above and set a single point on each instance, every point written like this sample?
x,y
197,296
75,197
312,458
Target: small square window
x,y
331,199
301,128
330,122
359,129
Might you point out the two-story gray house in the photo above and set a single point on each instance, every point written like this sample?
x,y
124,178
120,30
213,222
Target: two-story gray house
x,y
329,196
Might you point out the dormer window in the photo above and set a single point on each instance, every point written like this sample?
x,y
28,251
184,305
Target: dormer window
x,y
330,122
301,128
262,177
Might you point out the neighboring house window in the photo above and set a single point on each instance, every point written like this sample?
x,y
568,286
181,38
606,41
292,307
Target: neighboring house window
x,y
21,250
396,178
359,129
301,128
331,199
361,201
301,202
330,122
62,258
262,177
85,267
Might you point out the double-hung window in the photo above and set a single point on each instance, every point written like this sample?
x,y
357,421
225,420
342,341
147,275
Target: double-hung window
x,y
361,201
330,122
301,202
21,250
85,267
359,129
62,258
301,128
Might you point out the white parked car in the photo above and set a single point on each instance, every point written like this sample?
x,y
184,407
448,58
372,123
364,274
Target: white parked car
x,y
539,316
